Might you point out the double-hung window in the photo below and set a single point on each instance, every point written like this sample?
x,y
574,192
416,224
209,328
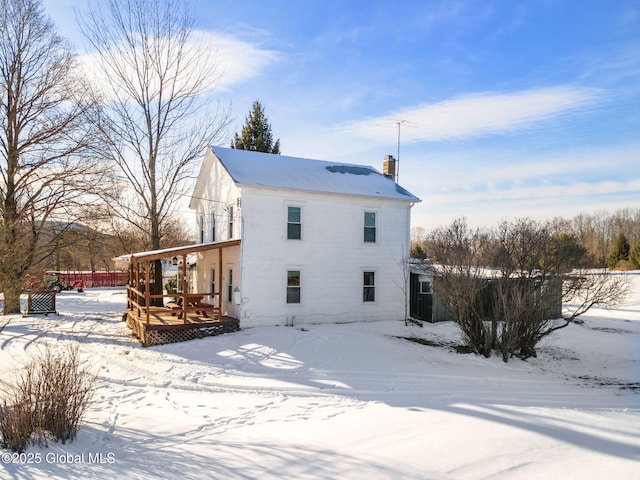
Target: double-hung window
x,y
201,225
230,232
294,223
213,226
293,286
230,286
369,287
370,227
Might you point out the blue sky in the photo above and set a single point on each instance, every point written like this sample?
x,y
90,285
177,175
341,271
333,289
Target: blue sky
x,y
508,109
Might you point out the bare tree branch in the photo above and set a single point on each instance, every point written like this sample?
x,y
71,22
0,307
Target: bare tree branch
x,y
45,140
154,78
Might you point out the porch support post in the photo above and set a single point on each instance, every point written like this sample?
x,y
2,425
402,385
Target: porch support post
x,y
185,287
220,281
137,284
147,289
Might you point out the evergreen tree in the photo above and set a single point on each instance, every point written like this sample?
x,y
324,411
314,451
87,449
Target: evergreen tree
x,y
563,253
256,134
620,250
634,255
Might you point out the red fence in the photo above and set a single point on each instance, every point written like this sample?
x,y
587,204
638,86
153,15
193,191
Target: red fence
x,y
93,279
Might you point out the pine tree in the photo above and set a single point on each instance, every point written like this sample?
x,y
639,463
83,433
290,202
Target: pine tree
x,y
620,250
563,253
634,255
256,134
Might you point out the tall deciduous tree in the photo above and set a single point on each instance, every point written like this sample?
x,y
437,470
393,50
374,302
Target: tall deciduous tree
x,y
256,134
45,135
154,74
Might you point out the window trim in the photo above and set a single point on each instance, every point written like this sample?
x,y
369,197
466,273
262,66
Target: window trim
x,y
289,222
230,221
368,287
230,285
293,287
366,228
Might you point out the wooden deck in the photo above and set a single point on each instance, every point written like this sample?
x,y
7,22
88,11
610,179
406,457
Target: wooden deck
x,y
165,327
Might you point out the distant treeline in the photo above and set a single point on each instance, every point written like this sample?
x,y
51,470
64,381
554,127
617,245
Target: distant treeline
x,y
599,236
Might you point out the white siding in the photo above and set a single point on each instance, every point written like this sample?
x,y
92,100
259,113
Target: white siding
x,y
208,261
332,257
217,198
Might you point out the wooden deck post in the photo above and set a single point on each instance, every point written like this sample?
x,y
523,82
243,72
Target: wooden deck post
x,y
147,289
185,287
137,284
220,281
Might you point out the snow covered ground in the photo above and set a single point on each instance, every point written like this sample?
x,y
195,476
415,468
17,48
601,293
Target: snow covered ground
x,y
349,401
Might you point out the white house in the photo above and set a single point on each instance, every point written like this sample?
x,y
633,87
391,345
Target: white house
x,y
319,241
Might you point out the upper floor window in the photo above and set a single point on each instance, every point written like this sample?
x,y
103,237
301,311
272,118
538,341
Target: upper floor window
x,y
230,232
201,224
370,227
213,226
294,223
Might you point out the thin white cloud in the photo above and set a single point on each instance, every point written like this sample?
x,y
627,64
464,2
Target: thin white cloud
x,y
237,60
476,115
541,202
226,60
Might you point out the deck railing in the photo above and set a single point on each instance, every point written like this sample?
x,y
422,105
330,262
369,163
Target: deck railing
x,y
140,302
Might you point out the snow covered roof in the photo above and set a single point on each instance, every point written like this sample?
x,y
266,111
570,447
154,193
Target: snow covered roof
x,y
279,171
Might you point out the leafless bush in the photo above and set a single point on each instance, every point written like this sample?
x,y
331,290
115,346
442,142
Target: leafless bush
x,y
19,411
68,386
463,296
20,415
50,396
458,252
512,305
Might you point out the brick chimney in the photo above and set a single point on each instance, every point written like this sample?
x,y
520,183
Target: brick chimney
x,y
389,167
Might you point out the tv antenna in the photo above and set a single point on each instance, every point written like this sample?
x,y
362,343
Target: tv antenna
x,y
399,123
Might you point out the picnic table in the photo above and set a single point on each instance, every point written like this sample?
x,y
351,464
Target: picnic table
x,y
194,303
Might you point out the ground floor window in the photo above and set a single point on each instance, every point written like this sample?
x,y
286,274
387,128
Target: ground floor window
x,y
293,286
369,287
230,286
213,285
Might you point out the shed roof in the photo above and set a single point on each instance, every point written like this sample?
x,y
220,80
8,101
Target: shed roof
x,y
280,171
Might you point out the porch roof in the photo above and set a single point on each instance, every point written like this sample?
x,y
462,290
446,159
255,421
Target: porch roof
x,y
152,255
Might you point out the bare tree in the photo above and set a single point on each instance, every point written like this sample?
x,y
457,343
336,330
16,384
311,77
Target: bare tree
x,y
523,243
154,76
46,176
512,306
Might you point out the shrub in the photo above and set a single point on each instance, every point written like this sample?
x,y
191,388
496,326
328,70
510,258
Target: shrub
x,y
18,412
67,391
624,265
49,396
